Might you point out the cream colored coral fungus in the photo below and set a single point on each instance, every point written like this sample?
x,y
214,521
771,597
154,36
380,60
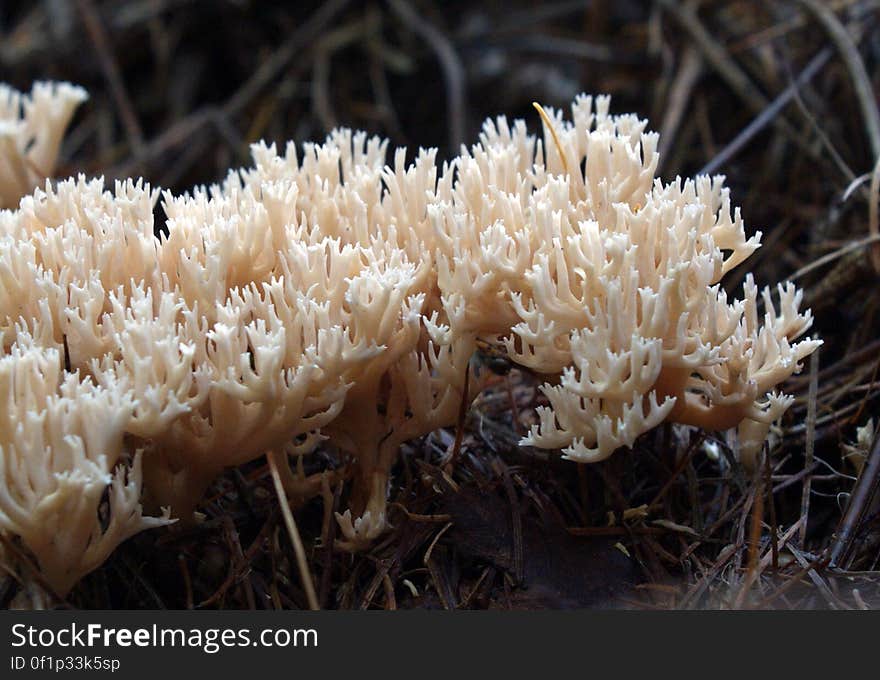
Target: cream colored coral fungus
x,y
334,295
31,129
324,288
62,253
415,381
61,452
588,268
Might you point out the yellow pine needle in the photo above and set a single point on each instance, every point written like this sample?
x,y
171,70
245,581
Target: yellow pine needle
x,y
550,127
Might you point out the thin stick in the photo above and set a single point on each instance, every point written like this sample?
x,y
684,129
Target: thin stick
x,y
430,549
298,548
771,505
187,581
516,519
863,497
328,534
810,443
873,227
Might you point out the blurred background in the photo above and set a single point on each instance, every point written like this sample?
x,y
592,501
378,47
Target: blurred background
x,y
781,97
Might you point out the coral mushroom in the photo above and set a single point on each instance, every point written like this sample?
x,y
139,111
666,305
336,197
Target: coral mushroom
x,y
328,295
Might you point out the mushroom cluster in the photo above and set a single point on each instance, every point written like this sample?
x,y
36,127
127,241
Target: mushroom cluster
x,y
31,129
331,296
589,269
